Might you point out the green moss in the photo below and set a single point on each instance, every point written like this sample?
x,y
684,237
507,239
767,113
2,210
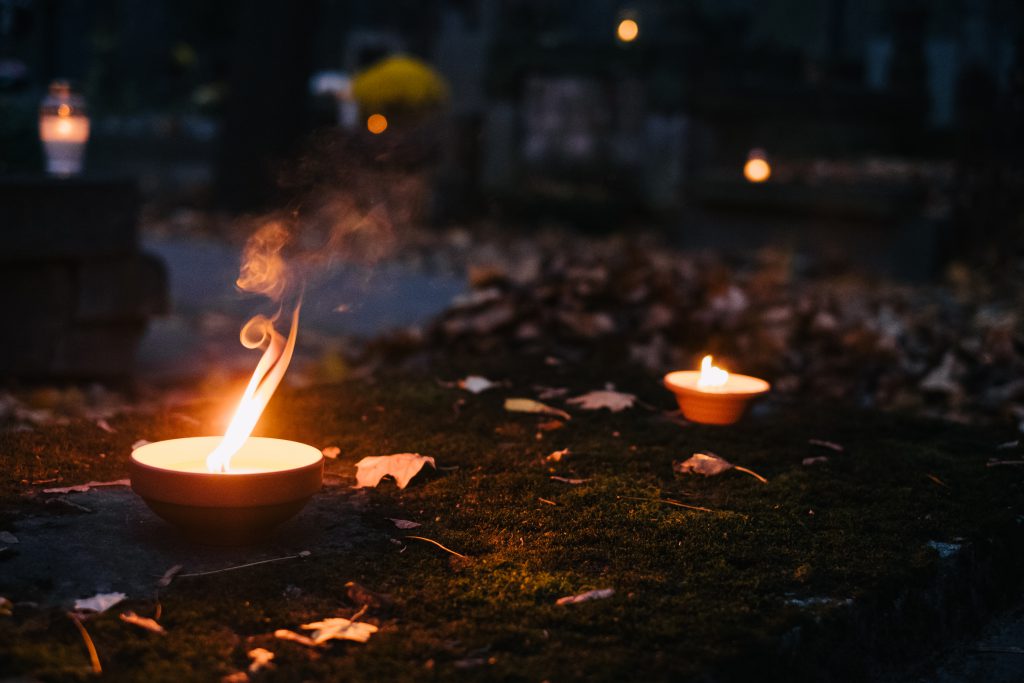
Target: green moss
x,y
695,591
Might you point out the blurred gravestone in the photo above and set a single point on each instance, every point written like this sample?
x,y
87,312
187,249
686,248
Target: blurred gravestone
x,y
76,289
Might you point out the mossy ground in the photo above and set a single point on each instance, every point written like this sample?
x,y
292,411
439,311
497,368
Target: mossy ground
x,y
696,592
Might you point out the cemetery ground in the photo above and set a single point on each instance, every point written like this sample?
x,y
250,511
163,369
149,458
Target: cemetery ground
x,y
878,539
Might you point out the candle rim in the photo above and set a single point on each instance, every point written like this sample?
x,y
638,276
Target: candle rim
x,y
673,381
313,457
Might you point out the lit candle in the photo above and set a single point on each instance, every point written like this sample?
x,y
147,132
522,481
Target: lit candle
x,y
712,395
63,129
269,481
757,169
232,489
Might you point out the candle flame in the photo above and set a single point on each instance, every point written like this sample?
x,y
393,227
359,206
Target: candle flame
x,y
710,376
257,333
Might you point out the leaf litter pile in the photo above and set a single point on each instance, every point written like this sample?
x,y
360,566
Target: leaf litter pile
x,y
953,350
548,529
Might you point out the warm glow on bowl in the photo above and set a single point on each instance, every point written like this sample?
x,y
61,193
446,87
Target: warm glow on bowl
x,y
627,30
257,454
377,123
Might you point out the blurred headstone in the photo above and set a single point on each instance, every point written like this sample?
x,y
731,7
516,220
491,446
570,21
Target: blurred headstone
x,y
76,287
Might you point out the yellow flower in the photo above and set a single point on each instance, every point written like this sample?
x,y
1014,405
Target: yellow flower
x,y
400,82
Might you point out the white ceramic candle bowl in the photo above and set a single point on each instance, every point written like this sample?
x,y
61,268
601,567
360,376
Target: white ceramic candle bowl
x,y
269,482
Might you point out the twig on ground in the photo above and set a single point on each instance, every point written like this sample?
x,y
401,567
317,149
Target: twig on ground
x,y
937,481
667,501
304,553
546,501
94,657
430,540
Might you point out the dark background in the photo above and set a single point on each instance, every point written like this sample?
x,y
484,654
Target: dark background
x,y
890,125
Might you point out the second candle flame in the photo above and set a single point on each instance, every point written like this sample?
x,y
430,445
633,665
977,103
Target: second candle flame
x,y
711,377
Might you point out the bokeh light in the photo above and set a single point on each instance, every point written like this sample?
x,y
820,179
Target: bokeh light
x,y
377,123
627,31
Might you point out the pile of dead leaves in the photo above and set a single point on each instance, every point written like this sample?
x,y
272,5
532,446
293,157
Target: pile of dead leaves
x,y
954,350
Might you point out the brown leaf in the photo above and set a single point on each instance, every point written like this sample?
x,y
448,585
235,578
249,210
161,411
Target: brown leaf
x,y
598,594
143,622
401,466
528,405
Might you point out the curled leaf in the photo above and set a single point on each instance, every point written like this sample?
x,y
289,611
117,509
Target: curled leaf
x,y
528,405
100,602
614,401
404,523
598,594
338,628
260,659
143,622
401,466
476,384
557,456
709,465
169,575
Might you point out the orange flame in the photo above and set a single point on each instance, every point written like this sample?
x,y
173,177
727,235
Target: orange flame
x,y
263,271
710,376
257,333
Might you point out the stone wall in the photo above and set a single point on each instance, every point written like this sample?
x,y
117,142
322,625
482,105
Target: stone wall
x,y
75,290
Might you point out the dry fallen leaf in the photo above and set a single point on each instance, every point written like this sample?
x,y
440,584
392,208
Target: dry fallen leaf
x,y
260,659
548,393
709,465
404,523
614,401
475,384
528,405
169,575
566,480
557,455
100,602
331,452
143,622
550,425
598,594
831,445
402,466
105,426
285,634
235,677
336,628
82,488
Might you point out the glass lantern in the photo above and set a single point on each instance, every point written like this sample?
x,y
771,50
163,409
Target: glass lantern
x,y
63,129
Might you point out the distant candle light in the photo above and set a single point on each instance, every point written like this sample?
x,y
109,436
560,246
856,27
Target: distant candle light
x,y
627,30
757,169
376,123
